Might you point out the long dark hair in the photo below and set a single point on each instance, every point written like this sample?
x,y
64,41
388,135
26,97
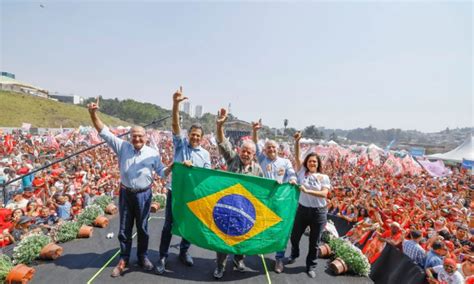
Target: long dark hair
x,y
319,169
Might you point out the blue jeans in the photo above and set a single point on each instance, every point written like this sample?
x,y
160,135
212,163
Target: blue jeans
x,y
134,207
280,255
166,233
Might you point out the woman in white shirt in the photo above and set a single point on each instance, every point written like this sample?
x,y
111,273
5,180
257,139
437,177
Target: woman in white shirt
x,y
312,210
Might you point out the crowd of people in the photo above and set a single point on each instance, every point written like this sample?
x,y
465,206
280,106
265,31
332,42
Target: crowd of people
x,y
428,218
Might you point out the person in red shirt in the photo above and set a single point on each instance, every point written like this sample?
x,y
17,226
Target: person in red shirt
x,y
6,238
373,249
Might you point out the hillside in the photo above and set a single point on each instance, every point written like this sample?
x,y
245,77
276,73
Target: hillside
x,y
18,108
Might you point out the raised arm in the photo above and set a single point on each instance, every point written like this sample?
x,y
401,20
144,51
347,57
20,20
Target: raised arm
x,y
297,137
177,99
93,107
112,140
221,119
225,148
255,128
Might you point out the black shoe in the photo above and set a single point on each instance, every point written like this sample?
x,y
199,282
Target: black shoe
x,y
279,266
219,272
291,259
160,266
186,258
311,273
239,265
146,264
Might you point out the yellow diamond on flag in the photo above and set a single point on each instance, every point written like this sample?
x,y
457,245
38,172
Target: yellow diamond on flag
x,y
234,214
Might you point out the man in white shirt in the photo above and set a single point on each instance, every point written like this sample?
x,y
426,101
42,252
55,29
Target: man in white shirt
x,y
447,273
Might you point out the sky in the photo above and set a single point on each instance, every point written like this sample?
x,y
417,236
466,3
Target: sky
x,y
334,64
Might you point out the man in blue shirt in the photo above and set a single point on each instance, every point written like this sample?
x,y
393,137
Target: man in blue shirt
x,y
413,249
435,255
63,207
136,163
189,152
276,168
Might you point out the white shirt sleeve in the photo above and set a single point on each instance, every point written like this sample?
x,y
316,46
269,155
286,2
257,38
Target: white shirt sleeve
x,y
438,269
326,182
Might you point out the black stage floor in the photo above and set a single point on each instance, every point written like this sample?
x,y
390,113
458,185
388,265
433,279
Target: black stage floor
x,y
92,260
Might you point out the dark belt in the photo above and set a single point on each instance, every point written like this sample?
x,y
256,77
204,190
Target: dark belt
x,y
134,190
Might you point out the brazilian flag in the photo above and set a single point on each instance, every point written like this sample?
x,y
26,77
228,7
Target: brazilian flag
x,y
232,213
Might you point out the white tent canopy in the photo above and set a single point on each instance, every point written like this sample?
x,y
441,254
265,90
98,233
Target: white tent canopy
x,y
373,146
307,140
463,151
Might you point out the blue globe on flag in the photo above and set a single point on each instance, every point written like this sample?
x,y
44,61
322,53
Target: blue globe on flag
x,y
234,215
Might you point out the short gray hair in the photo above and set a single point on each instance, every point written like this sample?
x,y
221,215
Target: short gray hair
x,y
137,128
250,144
271,142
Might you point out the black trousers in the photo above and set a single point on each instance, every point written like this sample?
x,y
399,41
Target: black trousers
x,y
316,219
222,259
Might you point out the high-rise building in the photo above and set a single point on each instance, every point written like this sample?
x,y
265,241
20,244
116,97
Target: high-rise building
x,y
198,111
187,108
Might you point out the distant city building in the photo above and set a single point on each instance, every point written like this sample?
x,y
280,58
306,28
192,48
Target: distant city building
x,y
187,108
7,74
237,129
198,111
9,83
70,99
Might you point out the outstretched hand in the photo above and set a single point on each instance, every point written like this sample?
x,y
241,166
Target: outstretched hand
x,y
297,136
257,125
222,116
178,96
93,107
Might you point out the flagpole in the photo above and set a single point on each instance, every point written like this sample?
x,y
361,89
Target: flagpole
x,y
4,185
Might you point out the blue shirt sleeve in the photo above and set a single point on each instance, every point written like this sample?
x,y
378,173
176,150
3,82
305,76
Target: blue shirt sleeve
x,y
113,141
259,154
178,141
159,167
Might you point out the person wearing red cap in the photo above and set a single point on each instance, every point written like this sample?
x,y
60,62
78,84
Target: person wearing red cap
x,y
446,273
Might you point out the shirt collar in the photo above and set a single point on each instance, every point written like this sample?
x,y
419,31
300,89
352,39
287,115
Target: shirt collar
x,y
194,149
